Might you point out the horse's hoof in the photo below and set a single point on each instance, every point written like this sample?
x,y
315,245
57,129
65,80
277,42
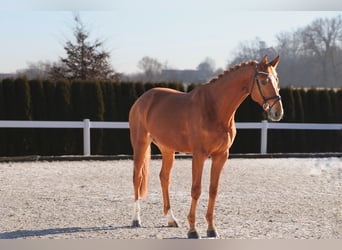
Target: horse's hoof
x,y
173,224
212,234
193,235
136,223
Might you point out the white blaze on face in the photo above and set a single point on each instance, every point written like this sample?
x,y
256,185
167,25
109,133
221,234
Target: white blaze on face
x,y
274,81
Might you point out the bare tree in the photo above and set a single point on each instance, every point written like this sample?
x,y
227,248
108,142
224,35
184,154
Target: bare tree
x,y
38,69
323,39
152,68
289,44
85,59
310,56
291,69
254,49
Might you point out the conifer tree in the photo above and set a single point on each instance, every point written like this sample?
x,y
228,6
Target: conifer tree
x,y
84,59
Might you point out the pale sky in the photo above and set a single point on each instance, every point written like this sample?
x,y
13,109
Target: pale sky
x,y
180,32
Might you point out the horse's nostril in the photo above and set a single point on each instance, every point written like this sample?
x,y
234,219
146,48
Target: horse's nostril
x,y
276,115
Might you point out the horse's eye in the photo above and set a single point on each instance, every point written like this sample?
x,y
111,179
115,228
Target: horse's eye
x,y
263,82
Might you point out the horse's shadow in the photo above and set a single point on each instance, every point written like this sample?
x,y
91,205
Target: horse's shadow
x,y
54,231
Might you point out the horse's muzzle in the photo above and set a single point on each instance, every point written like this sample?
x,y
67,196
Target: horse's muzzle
x,y
276,112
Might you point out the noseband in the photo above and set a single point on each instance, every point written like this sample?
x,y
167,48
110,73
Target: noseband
x,y
265,105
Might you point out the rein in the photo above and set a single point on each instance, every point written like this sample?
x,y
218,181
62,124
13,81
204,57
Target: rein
x,y
265,105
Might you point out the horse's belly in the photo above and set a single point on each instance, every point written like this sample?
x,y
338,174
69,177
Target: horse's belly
x,y
171,141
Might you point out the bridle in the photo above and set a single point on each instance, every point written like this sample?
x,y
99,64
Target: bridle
x,y
265,104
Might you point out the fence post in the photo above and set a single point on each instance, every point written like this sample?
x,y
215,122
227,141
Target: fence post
x,y
263,146
86,137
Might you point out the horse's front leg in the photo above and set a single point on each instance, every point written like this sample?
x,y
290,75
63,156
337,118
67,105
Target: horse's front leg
x,y
197,169
218,161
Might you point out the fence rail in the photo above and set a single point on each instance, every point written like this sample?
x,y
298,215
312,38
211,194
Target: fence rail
x,y
86,125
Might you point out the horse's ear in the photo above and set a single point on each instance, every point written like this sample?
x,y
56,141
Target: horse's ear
x,y
264,60
275,62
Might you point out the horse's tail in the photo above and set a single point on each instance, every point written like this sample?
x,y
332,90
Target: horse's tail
x,y
145,173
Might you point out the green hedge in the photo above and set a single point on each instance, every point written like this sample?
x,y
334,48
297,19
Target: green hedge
x,y
21,99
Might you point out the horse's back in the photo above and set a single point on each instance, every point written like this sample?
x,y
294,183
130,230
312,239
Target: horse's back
x,y
146,101
158,98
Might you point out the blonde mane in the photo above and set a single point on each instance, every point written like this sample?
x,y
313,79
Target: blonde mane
x,y
231,69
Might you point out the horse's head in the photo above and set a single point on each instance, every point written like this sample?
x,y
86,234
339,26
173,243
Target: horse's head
x,y
264,89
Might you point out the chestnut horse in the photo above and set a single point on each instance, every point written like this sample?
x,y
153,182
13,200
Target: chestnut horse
x,y
200,122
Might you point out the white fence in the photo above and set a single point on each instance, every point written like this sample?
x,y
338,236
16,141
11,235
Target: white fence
x,y
86,125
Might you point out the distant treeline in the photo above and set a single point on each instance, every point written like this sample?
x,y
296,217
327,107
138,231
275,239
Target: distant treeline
x,y
22,99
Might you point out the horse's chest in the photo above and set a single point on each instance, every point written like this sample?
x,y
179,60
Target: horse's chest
x,y
228,137
218,141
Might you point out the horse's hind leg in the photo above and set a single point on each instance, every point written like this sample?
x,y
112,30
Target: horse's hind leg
x,y
141,151
167,163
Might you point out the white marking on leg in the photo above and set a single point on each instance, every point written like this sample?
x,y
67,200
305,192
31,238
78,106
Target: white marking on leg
x,y
171,219
136,211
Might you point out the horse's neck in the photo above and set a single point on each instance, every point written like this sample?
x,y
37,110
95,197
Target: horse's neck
x,y
229,91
